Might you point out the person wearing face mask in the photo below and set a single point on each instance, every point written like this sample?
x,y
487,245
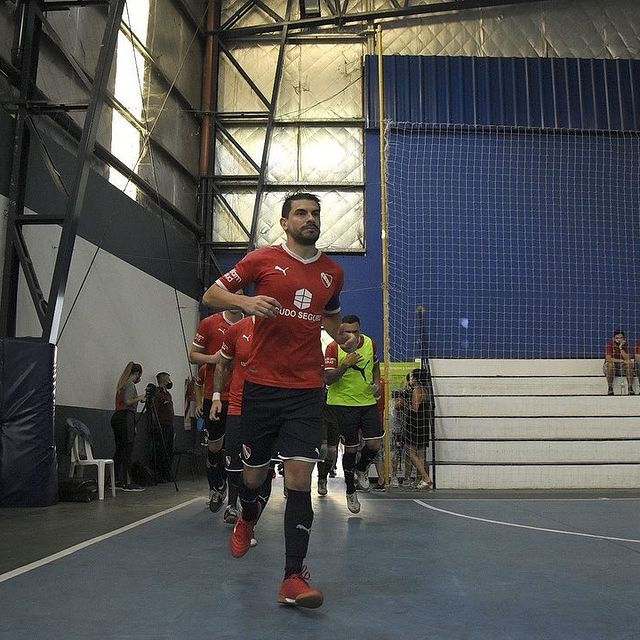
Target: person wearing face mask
x,y
123,423
162,436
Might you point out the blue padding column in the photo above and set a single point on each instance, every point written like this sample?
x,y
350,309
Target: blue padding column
x,y
28,465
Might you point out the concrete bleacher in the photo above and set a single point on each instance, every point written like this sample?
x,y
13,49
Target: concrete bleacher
x,y
533,424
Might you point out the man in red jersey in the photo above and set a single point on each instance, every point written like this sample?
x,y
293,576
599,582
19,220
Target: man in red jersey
x,y
204,351
234,354
297,291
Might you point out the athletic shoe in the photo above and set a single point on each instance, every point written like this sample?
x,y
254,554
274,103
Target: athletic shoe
x,y
632,392
378,488
216,498
295,590
132,487
423,484
363,479
353,504
240,541
230,514
254,542
322,486
394,483
610,391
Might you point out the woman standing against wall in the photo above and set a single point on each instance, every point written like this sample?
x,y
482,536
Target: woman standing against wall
x,y
123,423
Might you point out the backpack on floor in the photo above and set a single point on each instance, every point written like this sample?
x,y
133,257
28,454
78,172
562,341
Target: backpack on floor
x,y
77,490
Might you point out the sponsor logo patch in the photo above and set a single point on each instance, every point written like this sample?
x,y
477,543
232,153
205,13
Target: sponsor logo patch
x,y
302,298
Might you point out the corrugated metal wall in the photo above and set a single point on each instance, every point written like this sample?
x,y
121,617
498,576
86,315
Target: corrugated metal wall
x,y
530,92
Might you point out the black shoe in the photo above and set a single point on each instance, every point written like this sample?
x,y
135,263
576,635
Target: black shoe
x,y
632,392
132,487
610,392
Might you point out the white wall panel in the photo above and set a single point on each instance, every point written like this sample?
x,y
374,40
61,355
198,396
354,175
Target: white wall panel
x,y
122,314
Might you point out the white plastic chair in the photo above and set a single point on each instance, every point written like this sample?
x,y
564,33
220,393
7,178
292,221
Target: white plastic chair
x,y
82,456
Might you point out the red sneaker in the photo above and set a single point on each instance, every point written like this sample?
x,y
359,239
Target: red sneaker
x,y
240,541
295,590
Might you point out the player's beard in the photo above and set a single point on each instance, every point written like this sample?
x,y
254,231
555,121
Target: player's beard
x,y
308,239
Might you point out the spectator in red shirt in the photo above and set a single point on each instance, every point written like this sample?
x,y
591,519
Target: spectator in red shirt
x,y
618,360
297,291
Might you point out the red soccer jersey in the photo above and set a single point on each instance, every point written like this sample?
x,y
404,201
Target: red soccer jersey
x,y
209,338
237,345
286,351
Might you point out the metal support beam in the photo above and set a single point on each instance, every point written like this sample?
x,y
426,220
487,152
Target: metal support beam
x,y
28,27
365,16
269,134
77,192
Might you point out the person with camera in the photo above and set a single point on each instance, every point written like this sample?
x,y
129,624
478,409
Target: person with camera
x,y
123,423
618,360
162,430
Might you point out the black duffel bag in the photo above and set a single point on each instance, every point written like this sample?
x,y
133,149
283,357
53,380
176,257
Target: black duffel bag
x,y
77,490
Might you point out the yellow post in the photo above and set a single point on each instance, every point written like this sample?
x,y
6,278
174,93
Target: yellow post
x,y
386,369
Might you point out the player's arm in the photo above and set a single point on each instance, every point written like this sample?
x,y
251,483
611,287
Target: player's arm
x,y
332,375
198,356
220,378
375,387
260,306
332,324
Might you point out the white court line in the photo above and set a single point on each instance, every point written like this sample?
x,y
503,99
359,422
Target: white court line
x,y
88,543
524,526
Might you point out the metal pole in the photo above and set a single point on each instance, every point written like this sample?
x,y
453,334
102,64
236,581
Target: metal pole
x,y
76,194
386,369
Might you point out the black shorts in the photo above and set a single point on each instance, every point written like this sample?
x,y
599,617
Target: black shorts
x,y
215,428
353,420
330,429
233,444
290,419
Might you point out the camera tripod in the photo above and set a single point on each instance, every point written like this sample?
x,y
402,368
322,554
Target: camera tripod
x,y
157,434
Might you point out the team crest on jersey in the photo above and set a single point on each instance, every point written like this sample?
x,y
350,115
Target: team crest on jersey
x,y
227,460
246,452
302,298
326,278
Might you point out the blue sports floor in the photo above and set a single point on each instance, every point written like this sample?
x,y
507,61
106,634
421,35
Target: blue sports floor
x,y
407,568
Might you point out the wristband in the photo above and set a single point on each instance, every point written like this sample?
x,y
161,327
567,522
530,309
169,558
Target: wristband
x,y
215,396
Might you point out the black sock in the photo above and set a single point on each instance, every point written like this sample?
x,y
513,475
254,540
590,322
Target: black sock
x,y
348,465
215,472
264,492
366,456
298,518
249,503
234,488
326,465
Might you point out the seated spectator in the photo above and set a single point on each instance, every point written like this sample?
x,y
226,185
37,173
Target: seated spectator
x,y
618,360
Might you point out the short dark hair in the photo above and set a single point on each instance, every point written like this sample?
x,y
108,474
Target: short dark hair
x,y
618,331
160,375
297,195
350,319
136,368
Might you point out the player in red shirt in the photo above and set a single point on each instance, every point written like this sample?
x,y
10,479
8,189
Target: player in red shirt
x,y
618,359
204,351
297,291
235,354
